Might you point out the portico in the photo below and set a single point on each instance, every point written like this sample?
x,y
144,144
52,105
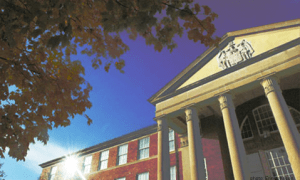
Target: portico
x,y
255,66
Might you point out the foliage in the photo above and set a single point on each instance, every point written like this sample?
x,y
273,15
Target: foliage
x,y
37,38
2,173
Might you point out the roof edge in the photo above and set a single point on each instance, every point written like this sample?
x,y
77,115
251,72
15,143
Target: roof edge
x,y
225,37
104,145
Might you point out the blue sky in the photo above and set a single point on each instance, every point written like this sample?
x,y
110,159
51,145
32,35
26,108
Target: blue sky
x,y
120,101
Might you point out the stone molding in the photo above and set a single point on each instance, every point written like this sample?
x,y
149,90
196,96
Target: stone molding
x,y
225,101
270,84
190,114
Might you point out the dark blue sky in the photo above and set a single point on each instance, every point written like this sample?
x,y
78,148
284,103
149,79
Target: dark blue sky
x,y
120,100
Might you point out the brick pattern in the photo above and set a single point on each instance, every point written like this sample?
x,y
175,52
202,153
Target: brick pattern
x,y
112,159
95,161
132,151
129,171
45,172
153,145
211,151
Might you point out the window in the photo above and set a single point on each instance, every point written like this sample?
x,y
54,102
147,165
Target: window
x,y
143,176
246,129
173,173
103,159
123,178
279,163
87,164
52,173
143,148
265,120
171,140
122,154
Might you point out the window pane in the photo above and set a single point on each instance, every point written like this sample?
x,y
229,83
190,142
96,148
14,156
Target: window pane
x,y
246,129
103,164
264,118
173,173
88,160
144,143
172,145
104,155
87,169
53,170
123,159
171,134
123,178
123,149
143,176
87,164
52,173
279,163
144,153
103,159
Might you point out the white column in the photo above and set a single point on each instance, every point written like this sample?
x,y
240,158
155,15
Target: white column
x,y
285,123
234,138
163,156
195,145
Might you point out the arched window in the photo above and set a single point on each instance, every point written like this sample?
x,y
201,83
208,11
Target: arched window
x,y
246,130
265,120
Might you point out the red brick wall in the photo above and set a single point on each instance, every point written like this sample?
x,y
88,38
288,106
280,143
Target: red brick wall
x,y
112,159
95,161
129,171
132,151
212,153
45,172
153,145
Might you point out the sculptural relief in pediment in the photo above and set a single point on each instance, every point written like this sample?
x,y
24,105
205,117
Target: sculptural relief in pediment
x,y
235,54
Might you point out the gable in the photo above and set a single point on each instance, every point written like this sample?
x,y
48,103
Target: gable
x,y
260,42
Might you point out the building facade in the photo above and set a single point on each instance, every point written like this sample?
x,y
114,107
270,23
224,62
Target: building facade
x,y
235,111
246,94
132,156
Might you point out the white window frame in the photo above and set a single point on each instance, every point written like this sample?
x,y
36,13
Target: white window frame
x,y
175,173
120,156
144,148
52,172
205,166
102,160
122,178
274,131
144,173
278,162
171,139
87,163
242,126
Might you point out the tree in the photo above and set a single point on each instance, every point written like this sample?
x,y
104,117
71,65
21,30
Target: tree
x,y
2,173
41,88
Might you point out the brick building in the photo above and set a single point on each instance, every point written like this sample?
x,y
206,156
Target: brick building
x,y
134,155
235,111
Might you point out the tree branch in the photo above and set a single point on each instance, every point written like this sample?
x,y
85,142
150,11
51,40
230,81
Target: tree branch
x,y
124,5
183,10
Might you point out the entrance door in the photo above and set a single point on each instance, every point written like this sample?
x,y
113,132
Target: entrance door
x,y
255,166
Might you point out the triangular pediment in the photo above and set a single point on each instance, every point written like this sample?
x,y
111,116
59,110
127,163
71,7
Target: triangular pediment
x,y
235,49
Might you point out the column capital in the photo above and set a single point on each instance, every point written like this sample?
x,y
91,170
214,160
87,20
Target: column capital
x,y
270,84
225,101
160,121
190,112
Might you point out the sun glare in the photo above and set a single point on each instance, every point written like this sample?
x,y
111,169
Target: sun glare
x,y
71,165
